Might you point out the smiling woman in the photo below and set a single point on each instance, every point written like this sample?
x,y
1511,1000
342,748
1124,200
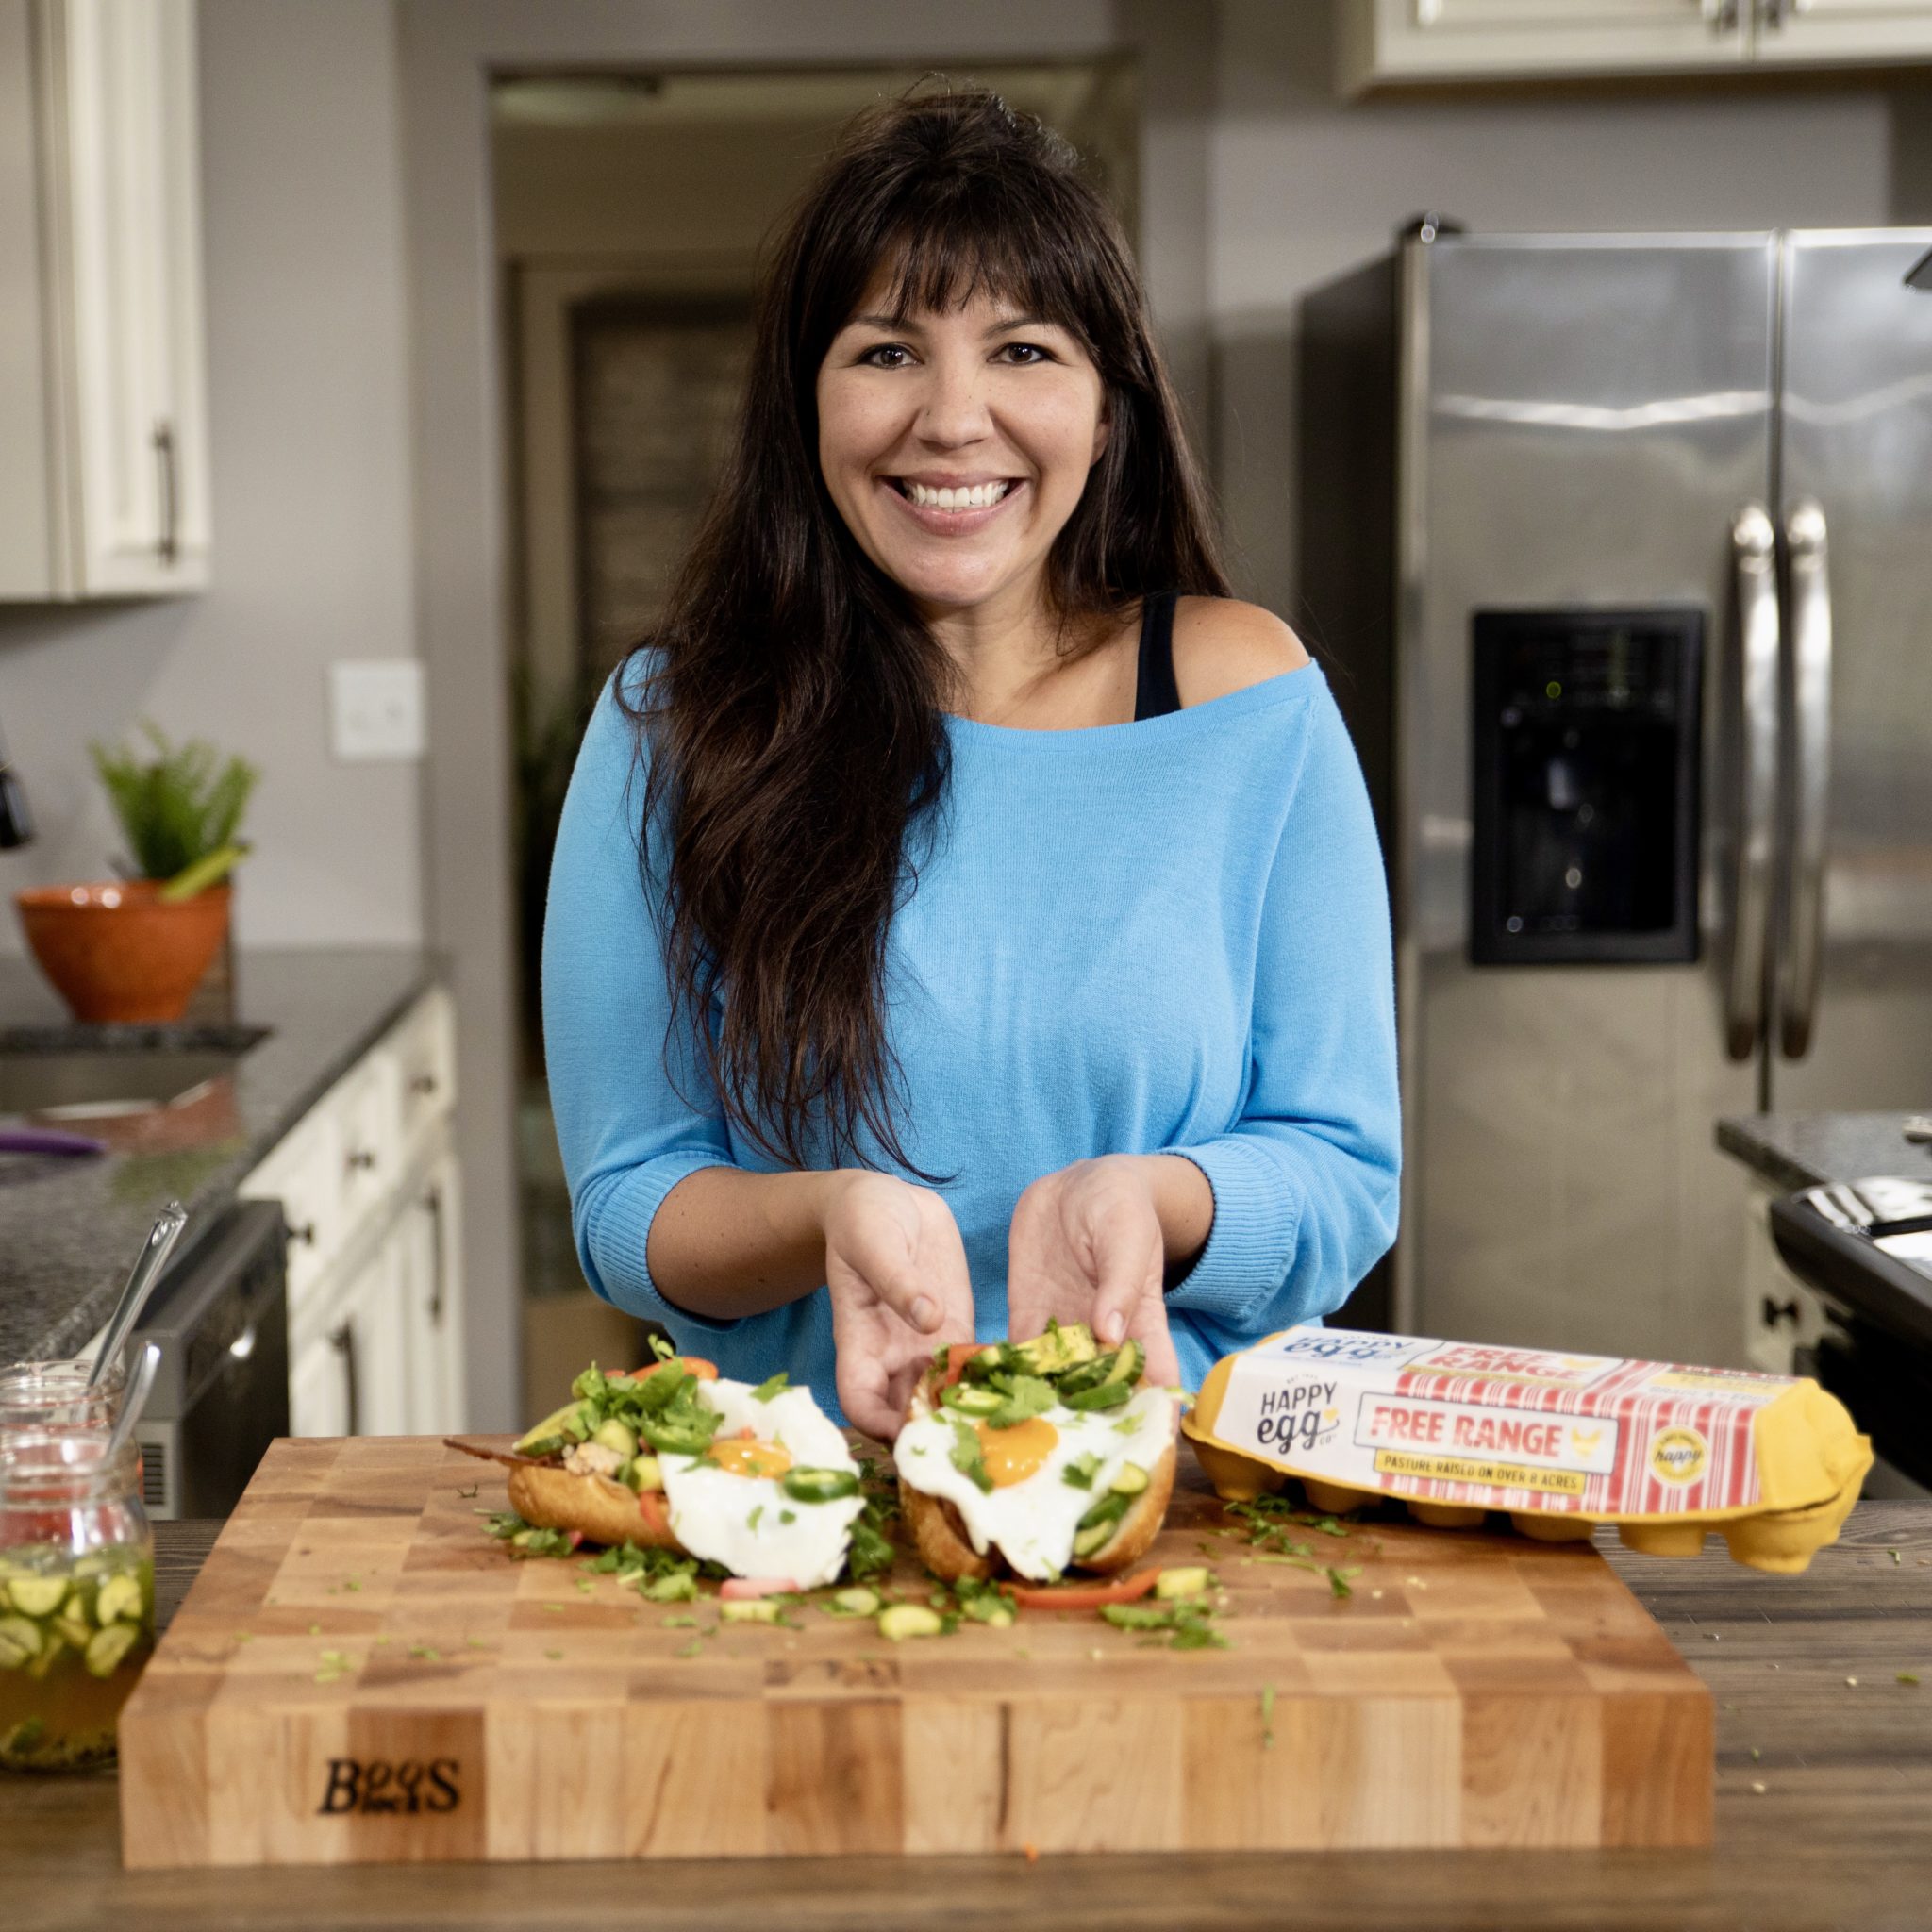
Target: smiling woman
x,y
965,914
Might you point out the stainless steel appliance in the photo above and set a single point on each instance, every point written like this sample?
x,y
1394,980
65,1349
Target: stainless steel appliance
x,y
1620,548
1866,1247
222,1393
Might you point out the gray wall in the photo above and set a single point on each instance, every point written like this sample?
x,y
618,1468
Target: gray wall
x,y
309,407
1305,187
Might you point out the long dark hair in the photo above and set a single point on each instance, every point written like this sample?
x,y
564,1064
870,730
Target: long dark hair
x,y
791,707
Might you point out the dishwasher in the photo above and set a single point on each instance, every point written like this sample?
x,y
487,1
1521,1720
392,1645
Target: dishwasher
x,y
220,1394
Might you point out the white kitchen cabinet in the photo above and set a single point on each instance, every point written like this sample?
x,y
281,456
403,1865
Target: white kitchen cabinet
x,y
371,1189
1395,43
1388,41
1839,33
103,383
351,1377
431,1267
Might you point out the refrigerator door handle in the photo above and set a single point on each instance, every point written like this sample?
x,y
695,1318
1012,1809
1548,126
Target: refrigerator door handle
x,y
1801,956
1754,566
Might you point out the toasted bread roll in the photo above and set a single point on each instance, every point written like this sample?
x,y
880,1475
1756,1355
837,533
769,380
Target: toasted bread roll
x,y
603,1510
940,1535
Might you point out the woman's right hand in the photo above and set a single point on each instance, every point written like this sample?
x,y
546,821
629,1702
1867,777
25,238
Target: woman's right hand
x,y
895,1267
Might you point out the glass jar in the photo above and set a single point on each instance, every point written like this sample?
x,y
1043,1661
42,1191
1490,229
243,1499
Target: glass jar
x,y
45,1395
76,1596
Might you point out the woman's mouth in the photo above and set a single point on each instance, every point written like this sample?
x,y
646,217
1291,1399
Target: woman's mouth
x,y
952,512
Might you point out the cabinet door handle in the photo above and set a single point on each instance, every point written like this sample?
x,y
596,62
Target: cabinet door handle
x,y
305,1233
1720,16
165,542
342,1339
424,1085
361,1160
432,1205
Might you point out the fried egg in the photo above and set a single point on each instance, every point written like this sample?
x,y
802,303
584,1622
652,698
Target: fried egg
x,y
1032,1511
731,1506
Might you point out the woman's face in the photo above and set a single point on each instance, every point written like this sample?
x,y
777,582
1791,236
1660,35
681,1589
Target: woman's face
x,y
956,446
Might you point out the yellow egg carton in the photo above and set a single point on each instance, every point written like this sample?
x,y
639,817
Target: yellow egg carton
x,y
1559,1444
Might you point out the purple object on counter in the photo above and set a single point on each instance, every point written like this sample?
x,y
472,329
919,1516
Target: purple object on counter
x,y
47,1141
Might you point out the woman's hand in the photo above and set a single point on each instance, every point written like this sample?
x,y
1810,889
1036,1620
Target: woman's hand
x,y
1087,1244
895,1267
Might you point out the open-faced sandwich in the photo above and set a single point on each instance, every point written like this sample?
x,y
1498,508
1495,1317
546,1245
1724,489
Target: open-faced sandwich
x,y
1050,1454
758,1479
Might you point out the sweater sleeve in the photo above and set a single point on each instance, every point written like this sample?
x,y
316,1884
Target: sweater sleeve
x,y
1305,1181
628,1133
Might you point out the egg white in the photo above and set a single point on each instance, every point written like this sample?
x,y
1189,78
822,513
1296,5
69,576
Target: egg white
x,y
1032,1522
742,1521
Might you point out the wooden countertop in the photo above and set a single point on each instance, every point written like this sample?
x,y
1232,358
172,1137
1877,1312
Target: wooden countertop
x,y
1840,1831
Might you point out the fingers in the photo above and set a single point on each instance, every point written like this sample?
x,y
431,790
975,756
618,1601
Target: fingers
x,y
1128,1267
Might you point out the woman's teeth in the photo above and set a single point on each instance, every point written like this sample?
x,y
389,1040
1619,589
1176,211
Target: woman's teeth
x,y
976,496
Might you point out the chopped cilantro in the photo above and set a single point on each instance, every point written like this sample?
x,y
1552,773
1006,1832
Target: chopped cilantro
x,y
1079,1474
772,1385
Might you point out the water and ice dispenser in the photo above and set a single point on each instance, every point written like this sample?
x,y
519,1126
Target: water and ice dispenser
x,y
1586,752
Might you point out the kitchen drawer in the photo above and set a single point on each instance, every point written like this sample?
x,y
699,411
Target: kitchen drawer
x,y
303,1174
424,1043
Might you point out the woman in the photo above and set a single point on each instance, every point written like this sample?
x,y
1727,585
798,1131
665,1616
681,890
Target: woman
x,y
965,913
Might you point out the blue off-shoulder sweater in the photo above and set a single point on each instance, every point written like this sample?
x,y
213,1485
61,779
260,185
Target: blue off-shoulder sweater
x,y
1169,936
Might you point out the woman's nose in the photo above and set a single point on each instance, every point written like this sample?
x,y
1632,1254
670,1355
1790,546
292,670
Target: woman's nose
x,y
953,409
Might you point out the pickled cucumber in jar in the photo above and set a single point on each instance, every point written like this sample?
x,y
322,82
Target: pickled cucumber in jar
x,y
74,1632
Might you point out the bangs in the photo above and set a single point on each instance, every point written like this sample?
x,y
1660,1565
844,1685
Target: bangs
x,y
937,267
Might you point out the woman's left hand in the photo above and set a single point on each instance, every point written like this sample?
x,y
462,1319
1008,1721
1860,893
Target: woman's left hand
x,y
1086,1245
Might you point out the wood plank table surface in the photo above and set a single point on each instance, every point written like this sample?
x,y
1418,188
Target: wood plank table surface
x,y
1823,1814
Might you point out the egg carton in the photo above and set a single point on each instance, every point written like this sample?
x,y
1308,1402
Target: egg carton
x,y
1559,1444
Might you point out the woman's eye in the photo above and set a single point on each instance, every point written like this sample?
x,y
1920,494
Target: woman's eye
x,y
1030,350
884,349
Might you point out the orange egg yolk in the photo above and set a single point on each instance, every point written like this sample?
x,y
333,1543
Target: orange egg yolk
x,y
746,1456
1012,1454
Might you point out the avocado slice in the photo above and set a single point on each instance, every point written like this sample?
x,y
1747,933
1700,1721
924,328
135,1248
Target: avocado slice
x,y
1056,1351
615,1436
548,1436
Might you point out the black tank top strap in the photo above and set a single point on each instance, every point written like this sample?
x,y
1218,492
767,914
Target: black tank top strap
x,y
1156,693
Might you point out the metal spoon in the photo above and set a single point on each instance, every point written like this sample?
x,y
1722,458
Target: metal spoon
x,y
147,1270
134,1401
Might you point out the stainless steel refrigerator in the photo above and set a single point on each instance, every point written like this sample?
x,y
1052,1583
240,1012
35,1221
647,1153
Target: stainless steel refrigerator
x,y
1619,549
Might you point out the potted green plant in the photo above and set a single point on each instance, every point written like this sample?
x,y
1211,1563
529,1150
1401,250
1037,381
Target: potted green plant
x,y
134,948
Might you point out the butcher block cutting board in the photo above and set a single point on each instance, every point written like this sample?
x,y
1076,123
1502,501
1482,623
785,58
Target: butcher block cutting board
x,y
361,1674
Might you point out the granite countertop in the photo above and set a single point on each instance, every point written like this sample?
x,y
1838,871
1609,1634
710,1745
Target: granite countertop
x,y
69,1228
1809,1150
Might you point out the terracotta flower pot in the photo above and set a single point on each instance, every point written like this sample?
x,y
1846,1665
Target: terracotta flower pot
x,y
116,952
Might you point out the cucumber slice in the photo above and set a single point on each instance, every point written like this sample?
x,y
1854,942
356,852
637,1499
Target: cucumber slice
x,y
1130,1480
644,1473
107,1648
119,1596
908,1620
615,1436
757,1609
38,1596
74,1627
819,1485
19,1642
1105,1396
1088,1541
1127,1364
1111,1509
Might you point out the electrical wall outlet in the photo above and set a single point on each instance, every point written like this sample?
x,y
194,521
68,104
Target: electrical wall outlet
x,y
375,710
